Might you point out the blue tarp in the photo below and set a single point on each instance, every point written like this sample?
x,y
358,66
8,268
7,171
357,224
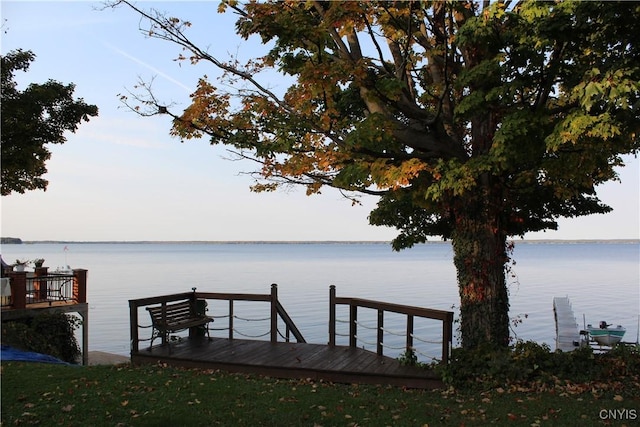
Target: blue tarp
x,y
8,353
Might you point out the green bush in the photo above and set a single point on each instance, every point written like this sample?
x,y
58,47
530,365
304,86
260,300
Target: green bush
x,y
51,334
621,361
530,362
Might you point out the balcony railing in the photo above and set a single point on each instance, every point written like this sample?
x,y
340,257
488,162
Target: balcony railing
x,y
22,290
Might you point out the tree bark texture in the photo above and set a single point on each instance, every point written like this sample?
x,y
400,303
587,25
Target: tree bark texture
x,y
480,257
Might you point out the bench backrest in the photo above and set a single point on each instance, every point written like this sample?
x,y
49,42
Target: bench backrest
x,y
181,311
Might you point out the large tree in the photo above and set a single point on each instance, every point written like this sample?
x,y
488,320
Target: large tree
x,y
32,118
475,121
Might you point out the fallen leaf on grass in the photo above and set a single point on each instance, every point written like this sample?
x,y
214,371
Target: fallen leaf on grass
x,y
67,408
618,398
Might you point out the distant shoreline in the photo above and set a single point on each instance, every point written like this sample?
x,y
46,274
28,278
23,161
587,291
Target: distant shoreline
x,y
308,242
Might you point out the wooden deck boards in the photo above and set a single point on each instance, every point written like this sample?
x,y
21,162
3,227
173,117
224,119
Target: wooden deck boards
x,y
289,360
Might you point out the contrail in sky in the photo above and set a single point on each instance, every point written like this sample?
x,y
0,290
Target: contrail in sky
x,y
152,68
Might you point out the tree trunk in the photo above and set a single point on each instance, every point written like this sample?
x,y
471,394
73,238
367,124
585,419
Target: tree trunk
x,y
480,257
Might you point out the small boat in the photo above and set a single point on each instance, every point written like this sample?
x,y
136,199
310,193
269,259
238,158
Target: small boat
x,y
604,334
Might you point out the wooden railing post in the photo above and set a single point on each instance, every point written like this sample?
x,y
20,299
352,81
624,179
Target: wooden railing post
x,y
192,300
18,288
353,323
41,284
231,319
447,337
274,313
85,336
332,315
80,285
380,332
133,316
409,333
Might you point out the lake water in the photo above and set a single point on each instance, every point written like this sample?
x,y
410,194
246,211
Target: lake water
x,y
602,279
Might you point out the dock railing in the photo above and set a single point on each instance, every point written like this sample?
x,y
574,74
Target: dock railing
x,y
411,312
277,312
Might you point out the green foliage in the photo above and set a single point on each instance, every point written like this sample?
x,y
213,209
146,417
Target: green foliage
x,y
398,209
528,363
51,334
410,358
32,118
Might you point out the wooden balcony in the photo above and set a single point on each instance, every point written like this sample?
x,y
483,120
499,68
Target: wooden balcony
x,y
42,289
27,294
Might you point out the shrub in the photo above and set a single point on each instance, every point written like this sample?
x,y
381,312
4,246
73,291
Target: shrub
x,y
410,358
48,333
528,362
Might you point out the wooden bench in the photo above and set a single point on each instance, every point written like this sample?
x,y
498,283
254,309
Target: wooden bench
x,y
168,318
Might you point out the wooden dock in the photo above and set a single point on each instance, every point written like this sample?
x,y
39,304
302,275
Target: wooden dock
x,y
339,364
567,334
274,358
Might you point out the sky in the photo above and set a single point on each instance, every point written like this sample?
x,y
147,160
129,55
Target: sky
x,y
121,177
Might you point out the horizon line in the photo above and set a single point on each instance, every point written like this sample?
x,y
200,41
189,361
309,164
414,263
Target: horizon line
x,y
6,240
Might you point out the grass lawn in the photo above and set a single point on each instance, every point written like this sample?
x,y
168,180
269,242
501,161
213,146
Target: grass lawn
x,y
44,394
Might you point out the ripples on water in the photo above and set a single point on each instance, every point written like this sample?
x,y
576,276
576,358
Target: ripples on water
x,y
602,280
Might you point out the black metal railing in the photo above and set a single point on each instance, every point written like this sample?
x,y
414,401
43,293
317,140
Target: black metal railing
x,y
49,288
